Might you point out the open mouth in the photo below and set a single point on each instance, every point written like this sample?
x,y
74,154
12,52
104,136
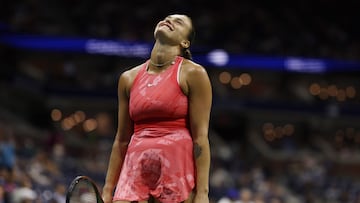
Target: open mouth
x,y
167,25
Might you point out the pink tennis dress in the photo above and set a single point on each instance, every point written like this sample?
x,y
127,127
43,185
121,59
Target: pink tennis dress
x,y
159,159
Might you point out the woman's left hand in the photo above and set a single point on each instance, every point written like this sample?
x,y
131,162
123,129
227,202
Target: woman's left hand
x,y
201,198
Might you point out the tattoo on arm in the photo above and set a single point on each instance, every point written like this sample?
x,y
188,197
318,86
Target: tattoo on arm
x,y
197,150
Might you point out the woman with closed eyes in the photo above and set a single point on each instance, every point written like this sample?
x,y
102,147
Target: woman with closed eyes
x,y
161,150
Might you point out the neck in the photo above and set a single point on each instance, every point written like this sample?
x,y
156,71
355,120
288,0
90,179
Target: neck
x,y
160,65
163,55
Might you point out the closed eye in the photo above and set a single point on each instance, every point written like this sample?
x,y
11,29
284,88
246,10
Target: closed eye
x,y
179,21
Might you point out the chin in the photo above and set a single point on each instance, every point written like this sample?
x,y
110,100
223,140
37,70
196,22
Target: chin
x,y
160,33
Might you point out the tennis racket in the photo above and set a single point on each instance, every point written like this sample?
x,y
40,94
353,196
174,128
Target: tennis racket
x,y
83,190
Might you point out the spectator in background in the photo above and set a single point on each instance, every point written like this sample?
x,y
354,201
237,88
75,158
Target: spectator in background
x,y
24,193
59,195
43,170
246,196
8,183
7,148
259,198
232,196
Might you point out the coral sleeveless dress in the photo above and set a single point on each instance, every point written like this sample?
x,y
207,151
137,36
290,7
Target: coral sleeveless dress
x,y
159,160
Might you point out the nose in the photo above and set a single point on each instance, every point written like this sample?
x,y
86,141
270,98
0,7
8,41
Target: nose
x,y
167,20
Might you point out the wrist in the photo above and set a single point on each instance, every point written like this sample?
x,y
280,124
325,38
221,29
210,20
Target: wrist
x,y
107,188
202,191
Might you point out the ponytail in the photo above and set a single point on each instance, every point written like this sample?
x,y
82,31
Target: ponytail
x,y
186,53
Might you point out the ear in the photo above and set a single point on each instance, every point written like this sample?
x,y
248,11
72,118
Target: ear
x,y
185,44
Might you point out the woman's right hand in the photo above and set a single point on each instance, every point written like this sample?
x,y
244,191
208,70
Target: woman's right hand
x,y
107,197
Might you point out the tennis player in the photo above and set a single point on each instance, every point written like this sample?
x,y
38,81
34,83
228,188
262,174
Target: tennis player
x,y
161,150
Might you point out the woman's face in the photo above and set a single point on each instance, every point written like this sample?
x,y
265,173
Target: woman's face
x,y
174,29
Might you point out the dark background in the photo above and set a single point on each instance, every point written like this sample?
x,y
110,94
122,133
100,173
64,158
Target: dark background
x,y
286,136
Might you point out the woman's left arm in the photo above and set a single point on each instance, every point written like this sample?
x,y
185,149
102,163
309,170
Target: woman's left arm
x,y
200,100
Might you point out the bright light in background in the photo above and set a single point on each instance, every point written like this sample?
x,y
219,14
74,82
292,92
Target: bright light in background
x,y
56,115
110,47
245,78
68,123
90,125
341,95
268,126
104,123
271,132
218,57
323,93
289,129
79,116
350,92
225,77
305,65
314,89
268,131
235,83
332,91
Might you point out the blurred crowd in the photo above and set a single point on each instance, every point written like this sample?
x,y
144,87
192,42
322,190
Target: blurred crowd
x,y
308,28
38,166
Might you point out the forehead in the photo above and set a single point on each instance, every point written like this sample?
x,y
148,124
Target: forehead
x,y
180,17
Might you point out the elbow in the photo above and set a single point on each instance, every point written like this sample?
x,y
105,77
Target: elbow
x,y
120,143
123,144
200,135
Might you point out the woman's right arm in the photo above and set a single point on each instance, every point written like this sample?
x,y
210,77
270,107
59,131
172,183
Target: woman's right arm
x,y
122,138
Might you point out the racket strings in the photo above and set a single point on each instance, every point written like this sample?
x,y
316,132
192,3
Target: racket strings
x,y
83,192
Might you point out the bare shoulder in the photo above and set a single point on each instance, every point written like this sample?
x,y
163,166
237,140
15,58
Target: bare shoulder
x,y
126,79
129,75
193,77
192,69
